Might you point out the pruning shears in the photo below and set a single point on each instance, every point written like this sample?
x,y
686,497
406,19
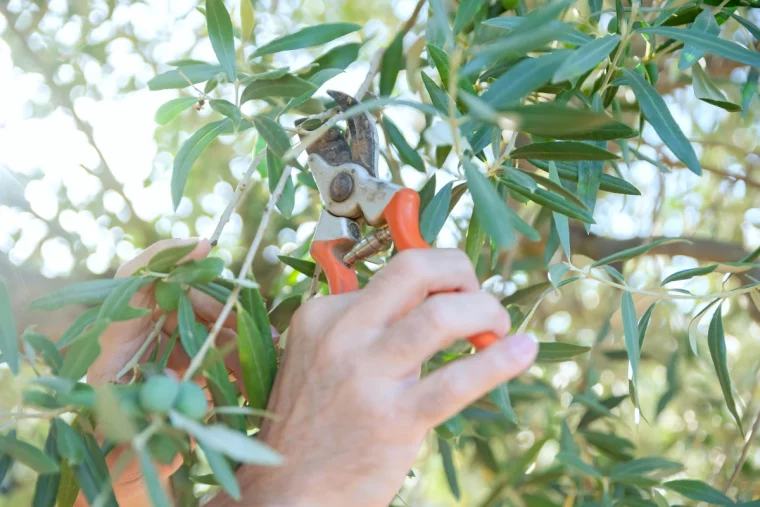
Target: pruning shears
x,y
346,176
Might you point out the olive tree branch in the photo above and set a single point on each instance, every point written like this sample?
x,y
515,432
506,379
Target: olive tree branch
x,y
745,452
232,205
247,266
144,347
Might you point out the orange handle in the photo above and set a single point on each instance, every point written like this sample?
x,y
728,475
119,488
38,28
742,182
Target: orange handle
x,y
403,217
329,255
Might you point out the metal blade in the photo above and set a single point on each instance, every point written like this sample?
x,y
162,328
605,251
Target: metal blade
x,y
363,130
332,146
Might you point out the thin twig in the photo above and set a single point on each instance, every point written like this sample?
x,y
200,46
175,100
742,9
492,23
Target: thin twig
x,y
374,67
314,282
745,452
247,265
152,336
236,198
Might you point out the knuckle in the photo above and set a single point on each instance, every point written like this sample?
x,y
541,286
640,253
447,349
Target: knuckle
x,y
409,261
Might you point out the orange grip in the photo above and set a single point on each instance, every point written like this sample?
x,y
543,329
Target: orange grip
x,y
403,217
328,254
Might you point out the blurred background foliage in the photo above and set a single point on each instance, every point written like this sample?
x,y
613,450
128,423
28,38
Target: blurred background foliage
x,y
84,185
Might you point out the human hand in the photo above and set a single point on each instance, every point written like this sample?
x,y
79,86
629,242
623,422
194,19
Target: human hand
x,y
121,341
352,410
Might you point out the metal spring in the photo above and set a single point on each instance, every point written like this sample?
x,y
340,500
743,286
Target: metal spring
x,y
368,246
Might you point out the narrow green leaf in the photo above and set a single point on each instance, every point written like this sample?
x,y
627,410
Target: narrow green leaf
x,y
634,252
556,352
642,466
195,73
83,351
657,114
116,306
46,349
586,57
465,14
716,342
318,79
525,293
644,324
223,392
391,65
46,489
562,150
27,454
90,292
707,91
566,123
226,108
631,332
567,33
525,77
535,31
476,237
189,153
590,171
254,360
166,259
560,221
493,211
550,200
449,468
427,192
698,490
220,34
407,154
689,273
704,24
8,333
435,214
307,37
192,334
170,110
557,272
167,295
441,61
438,96
80,323
281,314
68,488
229,442
500,398
286,86
707,42
277,140
197,271
569,172
149,473
68,442
573,461
275,167
338,57
222,470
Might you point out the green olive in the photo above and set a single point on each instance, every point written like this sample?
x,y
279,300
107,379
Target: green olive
x,y
191,401
158,393
510,4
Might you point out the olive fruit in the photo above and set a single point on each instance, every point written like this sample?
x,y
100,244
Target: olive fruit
x,y
158,393
510,4
191,401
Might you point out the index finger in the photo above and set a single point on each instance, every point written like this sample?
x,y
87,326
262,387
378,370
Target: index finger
x,y
201,250
410,277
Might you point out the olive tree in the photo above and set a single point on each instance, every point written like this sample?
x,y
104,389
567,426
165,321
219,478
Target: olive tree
x,y
531,122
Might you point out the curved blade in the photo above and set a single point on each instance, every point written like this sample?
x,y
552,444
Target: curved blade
x,y
332,146
363,129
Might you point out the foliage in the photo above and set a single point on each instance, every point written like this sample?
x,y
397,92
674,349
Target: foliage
x,y
532,110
